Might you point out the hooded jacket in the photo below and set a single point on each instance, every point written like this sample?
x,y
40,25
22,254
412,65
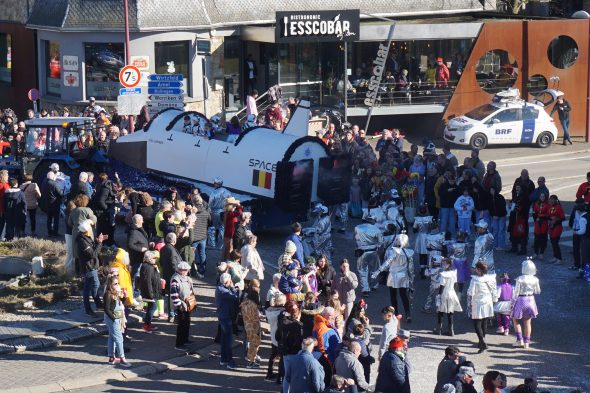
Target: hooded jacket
x,y
308,314
124,276
289,334
149,281
104,198
327,336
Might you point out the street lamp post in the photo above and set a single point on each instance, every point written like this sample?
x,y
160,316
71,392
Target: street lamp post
x,y
127,49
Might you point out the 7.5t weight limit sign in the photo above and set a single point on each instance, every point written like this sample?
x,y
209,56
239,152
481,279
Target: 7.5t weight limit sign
x,y
129,76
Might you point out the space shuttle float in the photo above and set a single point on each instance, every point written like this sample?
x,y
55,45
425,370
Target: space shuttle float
x,y
283,172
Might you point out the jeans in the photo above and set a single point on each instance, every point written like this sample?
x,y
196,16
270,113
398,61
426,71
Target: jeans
x,y
286,360
91,285
498,226
465,225
115,340
200,254
33,219
168,302
226,340
482,215
14,229
565,124
448,221
149,312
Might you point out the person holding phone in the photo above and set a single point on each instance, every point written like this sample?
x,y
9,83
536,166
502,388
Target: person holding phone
x,y
88,250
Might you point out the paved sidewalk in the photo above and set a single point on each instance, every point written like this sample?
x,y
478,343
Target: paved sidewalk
x,y
84,363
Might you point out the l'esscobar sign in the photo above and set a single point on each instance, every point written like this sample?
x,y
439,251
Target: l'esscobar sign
x,y
318,26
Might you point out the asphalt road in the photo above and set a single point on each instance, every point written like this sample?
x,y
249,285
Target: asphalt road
x,y
558,354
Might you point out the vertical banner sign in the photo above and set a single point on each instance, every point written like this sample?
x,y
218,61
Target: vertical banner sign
x,y
375,81
317,26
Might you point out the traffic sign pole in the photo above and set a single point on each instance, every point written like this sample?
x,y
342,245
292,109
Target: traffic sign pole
x,y
128,50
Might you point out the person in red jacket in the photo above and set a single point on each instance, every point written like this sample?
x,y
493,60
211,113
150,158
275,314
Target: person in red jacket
x,y
442,73
541,217
233,211
556,217
3,187
584,189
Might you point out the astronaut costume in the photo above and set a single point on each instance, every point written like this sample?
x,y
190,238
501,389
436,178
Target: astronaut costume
x,y
341,212
400,265
457,251
421,228
318,238
368,238
216,204
433,271
435,242
484,248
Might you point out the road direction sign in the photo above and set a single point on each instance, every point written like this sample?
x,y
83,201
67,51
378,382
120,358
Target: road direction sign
x,y
165,91
127,91
164,105
164,84
166,77
129,76
166,98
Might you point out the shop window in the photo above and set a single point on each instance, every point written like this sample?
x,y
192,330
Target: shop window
x,y
52,68
536,84
103,63
5,58
232,47
172,57
496,70
563,52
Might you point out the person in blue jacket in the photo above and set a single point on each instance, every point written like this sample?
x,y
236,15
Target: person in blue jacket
x,y
226,298
394,371
295,237
304,373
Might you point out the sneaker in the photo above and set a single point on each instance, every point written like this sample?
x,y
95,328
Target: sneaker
x,y
163,316
147,328
526,345
180,348
111,360
253,365
506,332
552,260
519,343
258,359
124,363
223,363
232,366
558,262
200,276
127,338
500,330
270,377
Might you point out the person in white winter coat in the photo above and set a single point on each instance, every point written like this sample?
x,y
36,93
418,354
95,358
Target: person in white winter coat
x,y
447,301
464,206
525,307
482,294
483,249
400,265
251,260
216,204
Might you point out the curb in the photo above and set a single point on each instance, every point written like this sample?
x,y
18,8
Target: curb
x,y
122,375
51,340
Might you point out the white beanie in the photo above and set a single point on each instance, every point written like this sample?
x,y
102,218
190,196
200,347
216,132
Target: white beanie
x,y
290,247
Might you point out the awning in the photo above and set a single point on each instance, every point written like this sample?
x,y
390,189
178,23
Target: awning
x,y
379,32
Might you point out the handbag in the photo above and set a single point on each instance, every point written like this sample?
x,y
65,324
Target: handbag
x,y
118,313
191,302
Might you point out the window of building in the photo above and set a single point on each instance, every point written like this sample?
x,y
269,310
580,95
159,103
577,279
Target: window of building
x,y
5,58
172,57
232,47
496,70
103,63
563,52
52,68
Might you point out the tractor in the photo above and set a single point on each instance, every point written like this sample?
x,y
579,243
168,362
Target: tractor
x,y
68,141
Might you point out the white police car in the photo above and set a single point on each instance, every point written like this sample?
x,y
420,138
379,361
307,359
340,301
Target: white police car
x,y
506,120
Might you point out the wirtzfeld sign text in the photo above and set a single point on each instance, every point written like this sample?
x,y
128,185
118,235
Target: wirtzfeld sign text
x,y
323,26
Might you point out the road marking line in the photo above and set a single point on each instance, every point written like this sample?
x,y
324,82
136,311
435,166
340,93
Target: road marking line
x,y
524,158
542,162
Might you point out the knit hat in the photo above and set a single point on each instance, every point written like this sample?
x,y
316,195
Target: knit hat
x,y
290,247
448,388
396,343
222,267
464,370
482,224
404,334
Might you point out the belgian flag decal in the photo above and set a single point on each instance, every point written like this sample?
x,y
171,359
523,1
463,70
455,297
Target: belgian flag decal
x,y
261,179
